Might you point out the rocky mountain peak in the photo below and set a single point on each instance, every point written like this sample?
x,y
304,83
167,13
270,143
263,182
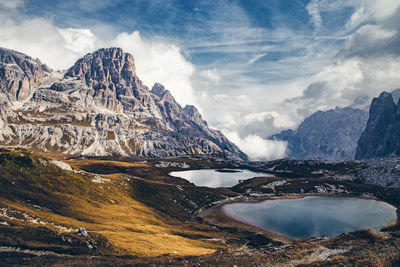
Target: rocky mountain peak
x,y
105,66
158,89
20,74
194,114
164,95
100,107
385,95
111,80
381,106
381,135
361,102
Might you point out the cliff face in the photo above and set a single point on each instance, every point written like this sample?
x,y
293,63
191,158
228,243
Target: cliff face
x,y
20,75
331,134
382,134
99,107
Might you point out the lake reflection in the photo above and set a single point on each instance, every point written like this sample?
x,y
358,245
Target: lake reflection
x,y
314,216
217,178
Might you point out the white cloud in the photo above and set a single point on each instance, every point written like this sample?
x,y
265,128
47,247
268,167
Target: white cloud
x,y
78,40
12,4
313,11
372,33
211,75
39,38
368,41
341,76
258,148
378,10
255,58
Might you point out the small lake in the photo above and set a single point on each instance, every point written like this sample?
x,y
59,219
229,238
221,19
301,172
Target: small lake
x,y
217,178
313,216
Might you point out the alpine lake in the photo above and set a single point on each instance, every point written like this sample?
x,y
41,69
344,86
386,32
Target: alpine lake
x,y
297,218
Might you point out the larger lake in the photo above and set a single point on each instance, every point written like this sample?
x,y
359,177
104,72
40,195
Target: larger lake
x,y
314,216
217,178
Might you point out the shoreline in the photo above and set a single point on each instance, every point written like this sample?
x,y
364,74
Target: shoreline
x,y
216,215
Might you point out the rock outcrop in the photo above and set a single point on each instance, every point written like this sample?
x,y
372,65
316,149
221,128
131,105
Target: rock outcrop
x,y
331,134
382,134
99,107
20,75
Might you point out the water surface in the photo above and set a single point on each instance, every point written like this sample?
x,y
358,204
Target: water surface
x,y
217,178
314,216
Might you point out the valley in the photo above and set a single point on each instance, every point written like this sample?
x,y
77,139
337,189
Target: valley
x,y
130,211
92,168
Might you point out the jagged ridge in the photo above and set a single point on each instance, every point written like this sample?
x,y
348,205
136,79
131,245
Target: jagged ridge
x,y
100,107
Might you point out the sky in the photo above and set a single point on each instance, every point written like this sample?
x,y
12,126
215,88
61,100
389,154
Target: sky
x,y
252,67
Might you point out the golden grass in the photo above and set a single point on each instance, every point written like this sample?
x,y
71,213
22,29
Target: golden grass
x,y
130,226
80,163
108,209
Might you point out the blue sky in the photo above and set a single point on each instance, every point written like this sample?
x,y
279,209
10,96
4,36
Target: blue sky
x,y
253,67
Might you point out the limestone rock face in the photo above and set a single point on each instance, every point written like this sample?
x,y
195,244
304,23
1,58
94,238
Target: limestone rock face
x,y
382,134
20,75
100,107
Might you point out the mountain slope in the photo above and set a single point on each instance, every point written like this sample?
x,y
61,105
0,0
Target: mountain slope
x,y
382,134
331,134
100,107
47,209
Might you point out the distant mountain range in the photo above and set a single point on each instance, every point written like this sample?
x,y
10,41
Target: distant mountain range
x,y
331,134
98,107
348,133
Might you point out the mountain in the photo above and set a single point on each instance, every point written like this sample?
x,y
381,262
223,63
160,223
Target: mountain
x,y
396,95
331,134
382,134
362,102
98,107
19,75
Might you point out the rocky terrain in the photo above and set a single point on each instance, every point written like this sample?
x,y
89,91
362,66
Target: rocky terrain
x,y
383,172
130,212
381,135
380,171
20,75
98,107
331,134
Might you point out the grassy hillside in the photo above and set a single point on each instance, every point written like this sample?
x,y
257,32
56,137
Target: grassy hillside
x,y
41,204
104,212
